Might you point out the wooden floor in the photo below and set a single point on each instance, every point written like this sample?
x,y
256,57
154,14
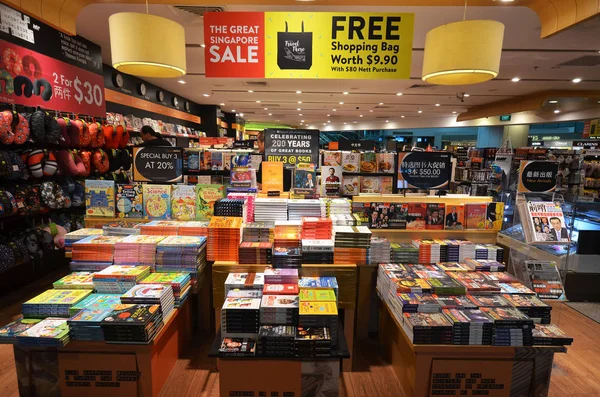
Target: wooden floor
x,y
575,374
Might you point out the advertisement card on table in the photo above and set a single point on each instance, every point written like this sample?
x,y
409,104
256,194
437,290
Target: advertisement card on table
x,y
157,164
47,68
423,170
537,176
292,146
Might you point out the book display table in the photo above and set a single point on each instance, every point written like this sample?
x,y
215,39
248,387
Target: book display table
x,y
430,370
83,368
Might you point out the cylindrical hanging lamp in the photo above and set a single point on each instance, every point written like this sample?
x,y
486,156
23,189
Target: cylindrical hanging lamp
x,y
465,52
147,45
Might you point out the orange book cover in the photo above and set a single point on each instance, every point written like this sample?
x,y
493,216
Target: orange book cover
x,y
272,176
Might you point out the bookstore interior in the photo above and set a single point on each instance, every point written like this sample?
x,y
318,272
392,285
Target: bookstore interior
x,y
315,201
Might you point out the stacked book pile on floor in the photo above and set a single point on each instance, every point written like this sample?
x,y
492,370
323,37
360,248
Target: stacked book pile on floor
x,y
258,232
137,250
298,209
75,280
77,235
255,253
404,253
269,209
118,279
132,323
180,284
85,325
151,294
231,207
93,253
224,237
50,332
287,234
53,303
351,244
316,228
160,228
317,251
380,251
185,254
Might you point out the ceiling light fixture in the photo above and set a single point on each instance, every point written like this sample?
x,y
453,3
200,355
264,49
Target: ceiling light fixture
x,y
466,95
399,94
345,123
302,121
203,45
553,101
354,122
345,92
341,103
515,79
328,115
329,121
371,111
250,91
402,116
324,123
181,81
207,95
454,112
133,38
300,115
298,92
420,111
387,121
241,114
266,108
556,111
232,110
437,104
222,104
380,103
257,101
576,80
334,110
270,114
299,101
360,115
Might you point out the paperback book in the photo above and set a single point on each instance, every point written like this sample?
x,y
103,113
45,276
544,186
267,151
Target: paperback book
x,y
157,201
130,203
100,198
206,196
183,202
305,179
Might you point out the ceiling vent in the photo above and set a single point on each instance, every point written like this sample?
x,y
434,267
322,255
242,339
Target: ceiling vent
x,y
422,87
198,10
586,60
383,107
271,105
256,84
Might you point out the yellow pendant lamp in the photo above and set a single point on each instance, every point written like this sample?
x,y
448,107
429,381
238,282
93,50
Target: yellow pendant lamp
x,y
147,45
465,52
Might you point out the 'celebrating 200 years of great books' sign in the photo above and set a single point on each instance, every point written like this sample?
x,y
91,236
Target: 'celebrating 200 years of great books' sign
x,y
423,170
157,164
292,146
537,176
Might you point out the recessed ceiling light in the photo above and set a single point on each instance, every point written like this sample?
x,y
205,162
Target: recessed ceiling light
x,y
466,95
345,123
345,92
250,91
324,123
380,103
257,101
299,101
266,108
399,94
334,110
205,94
507,1
387,121
437,104
298,92
328,115
221,104
298,109
241,114
202,45
277,120
354,122
181,81
329,121
300,115
360,115
371,111
576,80
232,110
556,111
341,103
553,101
515,79
420,111
454,112
402,116
302,121
270,114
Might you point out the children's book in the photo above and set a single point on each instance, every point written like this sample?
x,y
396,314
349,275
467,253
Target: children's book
x,y
129,199
206,196
100,198
157,201
183,202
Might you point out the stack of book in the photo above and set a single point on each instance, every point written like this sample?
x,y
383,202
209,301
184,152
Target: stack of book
x,y
429,250
501,277
287,234
270,209
180,284
531,306
258,232
428,328
255,253
53,303
279,310
118,279
9,332
151,294
351,244
237,347
277,341
317,295
285,257
240,317
342,219
224,238
250,199
550,335
380,251
75,280
354,256
244,281
51,332
313,342
340,209
193,228
476,283
281,289
281,276
160,228
96,302
317,251
186,254
77,235
231,207
121,228
404,253
454,267
460,302
321,315
93,253
244,293
515,288
85,325
511,326
316,228
298,209
489,301
128,323
418,303
486,265
471,327
490,252
319,283
446,286
137,250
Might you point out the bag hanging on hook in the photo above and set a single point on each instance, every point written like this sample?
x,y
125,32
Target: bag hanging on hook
x,y
294,49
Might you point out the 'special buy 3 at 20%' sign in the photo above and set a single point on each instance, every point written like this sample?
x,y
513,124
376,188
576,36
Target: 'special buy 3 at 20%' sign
x,y
157,164
330,45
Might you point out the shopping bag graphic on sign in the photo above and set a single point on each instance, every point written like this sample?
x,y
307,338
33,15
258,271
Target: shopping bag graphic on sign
x,y
294,49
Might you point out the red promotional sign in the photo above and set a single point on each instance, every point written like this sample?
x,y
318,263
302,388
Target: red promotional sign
x,y
234,44
31,79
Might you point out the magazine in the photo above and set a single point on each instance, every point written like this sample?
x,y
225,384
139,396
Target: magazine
x,y
546,223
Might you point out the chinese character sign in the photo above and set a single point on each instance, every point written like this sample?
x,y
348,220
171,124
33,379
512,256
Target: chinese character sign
x,y
537,176
423,170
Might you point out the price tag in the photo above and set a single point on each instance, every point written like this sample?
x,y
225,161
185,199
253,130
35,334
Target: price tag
x,y
423,170
157,164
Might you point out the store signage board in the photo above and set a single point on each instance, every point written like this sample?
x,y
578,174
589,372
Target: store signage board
x,y
423,170
292,146
587,144
308,45
158,164
505,117
356,145
536,176
67,70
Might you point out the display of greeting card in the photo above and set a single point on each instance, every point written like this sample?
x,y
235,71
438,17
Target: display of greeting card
x,y
206,196
129,200
183,202
100,198
157,201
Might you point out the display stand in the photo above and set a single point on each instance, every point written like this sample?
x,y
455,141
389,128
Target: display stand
x,y
346,276
426,370
84,368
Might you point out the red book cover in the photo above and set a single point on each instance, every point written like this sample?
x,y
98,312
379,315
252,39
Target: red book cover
x,y
435,216
280,289
475,216
417,212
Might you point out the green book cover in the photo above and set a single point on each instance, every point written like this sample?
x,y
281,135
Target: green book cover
x,y
206,196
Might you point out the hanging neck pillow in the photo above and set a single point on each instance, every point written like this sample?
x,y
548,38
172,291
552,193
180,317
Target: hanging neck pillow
x,y
78,163
63,124
12,61
43,89
23,86
17,167
86,158
52,129
21,129
53,196
84,134
113,159
74,133
9,83
109,137
125,159
124,139
100,161
37,126
66,163
7,135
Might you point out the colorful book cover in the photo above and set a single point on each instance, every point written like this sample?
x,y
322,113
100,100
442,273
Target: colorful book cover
x,y
272,176
183,202
317,295
134,314
369,184
122,271
351,184
55,328
241,303
416,216
386,184
217,161
100,198
435,216
129,199
332,158
280,289
495,216
331,180
455,217
350,162
368,162
547,222
97,302
385,162
10,331
59,297
308,308
475,215
157,201
280,301
147,291
305,178
76,280
176,279
237,347
206,196
90,316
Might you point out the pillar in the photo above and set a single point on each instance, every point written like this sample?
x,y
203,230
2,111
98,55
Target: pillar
x,y
490,136
518,134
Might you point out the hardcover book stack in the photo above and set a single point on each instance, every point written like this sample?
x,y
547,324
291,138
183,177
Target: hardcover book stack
x,y
118,279
186,254
53,303
320,315
151,294
351,244
240,317
231,207
93,253
51,332
418,303
319,283
258,232
193,228
404,253
238,347
279,310
137,250
160,228
298,209
244,281
380,251
316,228
270,209
9,332
470,327
75,280
511,326
317,251
490,252
486,265
224,238
428,328
287,258
179,282
85,325
96,302
531,306
476,283
255,253
287,234
77,235
277,341
313,342
550,335
137,324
